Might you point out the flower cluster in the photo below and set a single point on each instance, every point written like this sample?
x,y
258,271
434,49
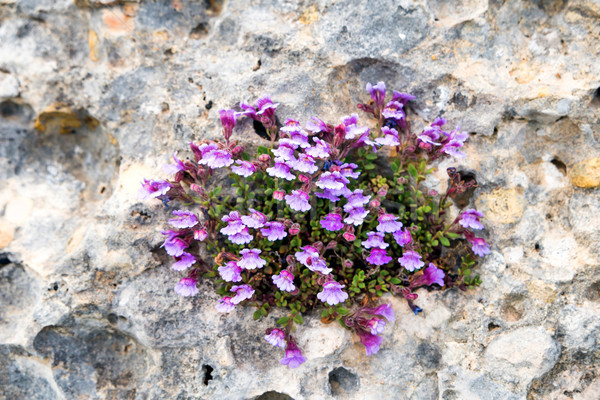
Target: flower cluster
x,y
330,217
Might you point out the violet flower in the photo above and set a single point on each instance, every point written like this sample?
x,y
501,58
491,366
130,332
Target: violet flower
x,y
225,305
242,292
348,171
319,150
356,216
276,337
243,168
403,237
230,272
431,275
185,261
228,118
332,293
293,356
332,180
273,231
411,260
479,246
310,258
376,325
393,110
371,342
251,259
390,137
377,93
456,141
316,125
430,136
255,220
298,201
284,281
186,287
264,111
185,219
284,152
200,234
375,239
234,224
388,223
352,130
296,136
402,98
153,189
174,168
242,237
174,245
378,257
470,219
356,199
304,163
216,159
281,170
385,310
332,222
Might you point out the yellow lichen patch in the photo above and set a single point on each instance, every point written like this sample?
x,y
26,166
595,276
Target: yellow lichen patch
x,y
502,206
117,22
62,118
586,174
310,15
542,291
524,72
6,235
93,42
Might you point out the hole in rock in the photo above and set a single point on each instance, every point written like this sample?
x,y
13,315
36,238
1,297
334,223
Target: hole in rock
x,y
493,326
561,166
209,105
260,130
343,381
463,199
593,291
199,31
207,372
596,98
273,395
536,246
5,259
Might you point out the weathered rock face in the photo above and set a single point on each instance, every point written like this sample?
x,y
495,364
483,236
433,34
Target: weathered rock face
x,y
87,308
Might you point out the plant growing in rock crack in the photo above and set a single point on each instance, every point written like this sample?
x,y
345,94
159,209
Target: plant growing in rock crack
x,y
330,217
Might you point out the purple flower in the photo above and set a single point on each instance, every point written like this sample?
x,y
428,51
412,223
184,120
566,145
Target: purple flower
x,y
242,292
347,171
332,222
375,239
281,170
470,219
433,274
310,258
376,325
234,224
230,272
356,199
371,342
306,253
185,261
385,310
403,237
430,135
174,168
377,93
293,356
200,234
186,287
264,111
255,220
298,200
296,136
317,125
284,151
174,245
251,259
328,194
225,305
479,246
276,337
332,293
353,131
284,281
457,140
319,150
274,230
403,98
228,118
411,260
186,219
356,216
393,110
241,237
151,189
390,137
216,159
304,163
388,223
243,168
332,180
378,257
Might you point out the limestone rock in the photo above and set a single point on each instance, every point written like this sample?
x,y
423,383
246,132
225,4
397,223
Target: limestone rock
x,y
586,174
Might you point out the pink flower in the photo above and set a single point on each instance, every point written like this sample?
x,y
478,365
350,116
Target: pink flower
x,y
243,168
251,259
243,292
242,237
281,170
349,236
284,281
332,293
371,342
411,260
230,272
174,168
332,222
388,223
153,189
225,305
298,201
319,150
185,261
375,239
278,195
293,356
470,219
378,257
228,118
185,219
234,224
403,237
276,337
200,234
273,231
479,246
304,163
256,219
186,287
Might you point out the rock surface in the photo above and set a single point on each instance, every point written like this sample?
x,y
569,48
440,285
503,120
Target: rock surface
x,y
87,307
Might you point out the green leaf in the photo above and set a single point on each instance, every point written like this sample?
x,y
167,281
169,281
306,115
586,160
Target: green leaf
x,y
412,171
370,166
262,150
256,315
395,165
298,319
342,311
395,281
371,156
325,313
217,190
445,241
452,235
283,320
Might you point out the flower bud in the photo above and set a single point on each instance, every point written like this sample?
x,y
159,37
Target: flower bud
x,y
294,229
382,192
349,236
375,203
331,245
304,179
264,158
200,234
278,195
348,263
237,150
401,180
433,192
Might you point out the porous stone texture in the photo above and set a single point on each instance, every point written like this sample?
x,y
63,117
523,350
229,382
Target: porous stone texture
x,y
87,307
